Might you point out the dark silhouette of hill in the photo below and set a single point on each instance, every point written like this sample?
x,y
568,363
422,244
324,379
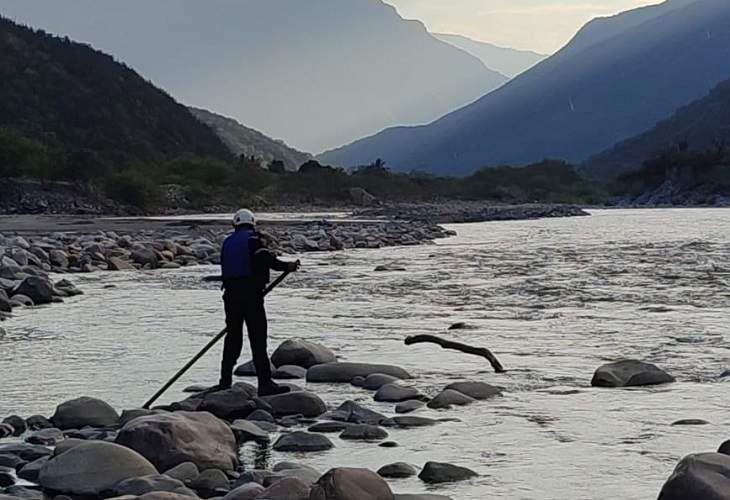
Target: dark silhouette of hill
x,y
700,126
245,141
510,62
615,80
85,108
317,73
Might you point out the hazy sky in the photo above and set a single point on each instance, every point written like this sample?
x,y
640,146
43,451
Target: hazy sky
x,y
541,25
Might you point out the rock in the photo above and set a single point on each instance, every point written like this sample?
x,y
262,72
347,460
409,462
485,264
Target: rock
x,y
461,326
304,403
27,452
476,390
363,432
5,305
375,381
358,381
288,488
39,290
138,486
186,471
629,373
145,257
11,461
30,471
302,442
448,398
261,416
691,421
68,288
92,468
703,476
248,369
165,495
351,412
257,476
58,258
351,484
210,483
67,444
6,480
302,353
435,472
128,415
327,427
46,437
362,198
6,430
389,444
246,431
393,393
409,406
83,412
169,439
246,492
345,372
397,470
389,268
230,404
17,423
292,469
117,264
20,300
409,422
289,372
38,422
421,496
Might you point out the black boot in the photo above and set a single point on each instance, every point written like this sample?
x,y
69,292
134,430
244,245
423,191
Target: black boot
x,y
269,388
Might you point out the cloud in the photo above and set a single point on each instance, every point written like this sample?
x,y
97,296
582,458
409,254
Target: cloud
x,y
542,25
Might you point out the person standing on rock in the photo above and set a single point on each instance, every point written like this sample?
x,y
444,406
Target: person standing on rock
x,y
246,264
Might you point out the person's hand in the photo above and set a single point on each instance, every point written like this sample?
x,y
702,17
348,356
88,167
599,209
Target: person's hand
x,y
294,266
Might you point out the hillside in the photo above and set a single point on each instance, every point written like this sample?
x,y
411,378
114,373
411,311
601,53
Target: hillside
x,y
614,81
242,140
339,71
83,112
507,61
700,126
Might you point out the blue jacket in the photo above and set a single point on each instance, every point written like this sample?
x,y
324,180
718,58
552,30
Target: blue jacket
x,y
245,259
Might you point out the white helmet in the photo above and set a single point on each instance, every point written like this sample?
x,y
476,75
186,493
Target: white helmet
x,y
244,216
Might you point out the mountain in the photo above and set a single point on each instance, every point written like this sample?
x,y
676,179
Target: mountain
x,y
509,62
242,140
317,73
702,125
90,111
616,79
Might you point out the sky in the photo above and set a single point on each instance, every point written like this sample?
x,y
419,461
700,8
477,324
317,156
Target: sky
x,y
540,25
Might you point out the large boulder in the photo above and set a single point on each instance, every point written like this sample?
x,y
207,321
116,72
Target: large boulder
x,y
629,373
39,290
169,439
435,472
84,412
302,442
302,353
476,390
303,403
703,476
351,484
345,372
93,468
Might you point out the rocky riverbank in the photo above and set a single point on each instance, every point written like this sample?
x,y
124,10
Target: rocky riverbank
x,y
460,212
27,260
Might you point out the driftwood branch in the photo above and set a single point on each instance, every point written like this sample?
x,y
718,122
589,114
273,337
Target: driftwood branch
x,y
447,344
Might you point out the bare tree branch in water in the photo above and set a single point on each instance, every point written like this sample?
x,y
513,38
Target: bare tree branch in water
x,y
467,349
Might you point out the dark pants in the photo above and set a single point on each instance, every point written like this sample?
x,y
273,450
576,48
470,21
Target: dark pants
x,y
243,305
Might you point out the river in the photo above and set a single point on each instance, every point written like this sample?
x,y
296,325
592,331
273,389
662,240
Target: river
x,y
553,299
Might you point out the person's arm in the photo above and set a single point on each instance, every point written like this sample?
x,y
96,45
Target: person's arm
x,y
264,258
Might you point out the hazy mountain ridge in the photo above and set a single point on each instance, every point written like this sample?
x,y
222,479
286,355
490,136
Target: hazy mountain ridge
x,y
339,71
576,103
507,61
242,140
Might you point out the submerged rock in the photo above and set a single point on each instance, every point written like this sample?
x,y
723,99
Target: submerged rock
x,y
476,390
93,468
169,439
703,476
393,393
363,432
375,381
351,412
408,422
435,472
449,398
629,373
351,484
409,406
302,353
345,372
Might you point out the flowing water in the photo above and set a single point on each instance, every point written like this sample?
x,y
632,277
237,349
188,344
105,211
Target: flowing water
x,y
553,299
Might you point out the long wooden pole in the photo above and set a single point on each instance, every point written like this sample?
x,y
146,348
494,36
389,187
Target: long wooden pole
x,y
205,349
